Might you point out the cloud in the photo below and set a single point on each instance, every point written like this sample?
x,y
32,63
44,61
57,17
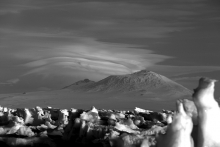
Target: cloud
x,y
90,56
189,82
103,59
10,82
116,19
175,71
186,78
43,89
15,7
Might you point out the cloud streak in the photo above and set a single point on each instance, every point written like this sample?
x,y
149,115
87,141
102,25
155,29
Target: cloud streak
x,y
91,56
10,82
174,71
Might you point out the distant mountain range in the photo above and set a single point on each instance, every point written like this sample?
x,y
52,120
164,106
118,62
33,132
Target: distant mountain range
x,y
145,83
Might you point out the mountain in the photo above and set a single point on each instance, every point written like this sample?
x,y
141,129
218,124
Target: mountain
x,y
145,83
79,83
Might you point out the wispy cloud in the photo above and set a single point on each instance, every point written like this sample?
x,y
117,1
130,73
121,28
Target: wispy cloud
x,y
15,7
10,82
186,78
175,71
90,56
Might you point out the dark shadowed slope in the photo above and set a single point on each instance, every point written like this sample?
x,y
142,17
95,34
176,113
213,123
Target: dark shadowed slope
x,y
146,83
79,83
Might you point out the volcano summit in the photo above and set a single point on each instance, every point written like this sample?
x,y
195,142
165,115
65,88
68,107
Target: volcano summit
x,y
145,83
144,89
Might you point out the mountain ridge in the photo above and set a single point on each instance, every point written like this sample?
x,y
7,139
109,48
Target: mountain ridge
x,y
79,83
146,83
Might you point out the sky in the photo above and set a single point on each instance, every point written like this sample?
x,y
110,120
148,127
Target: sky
x,y
49,44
